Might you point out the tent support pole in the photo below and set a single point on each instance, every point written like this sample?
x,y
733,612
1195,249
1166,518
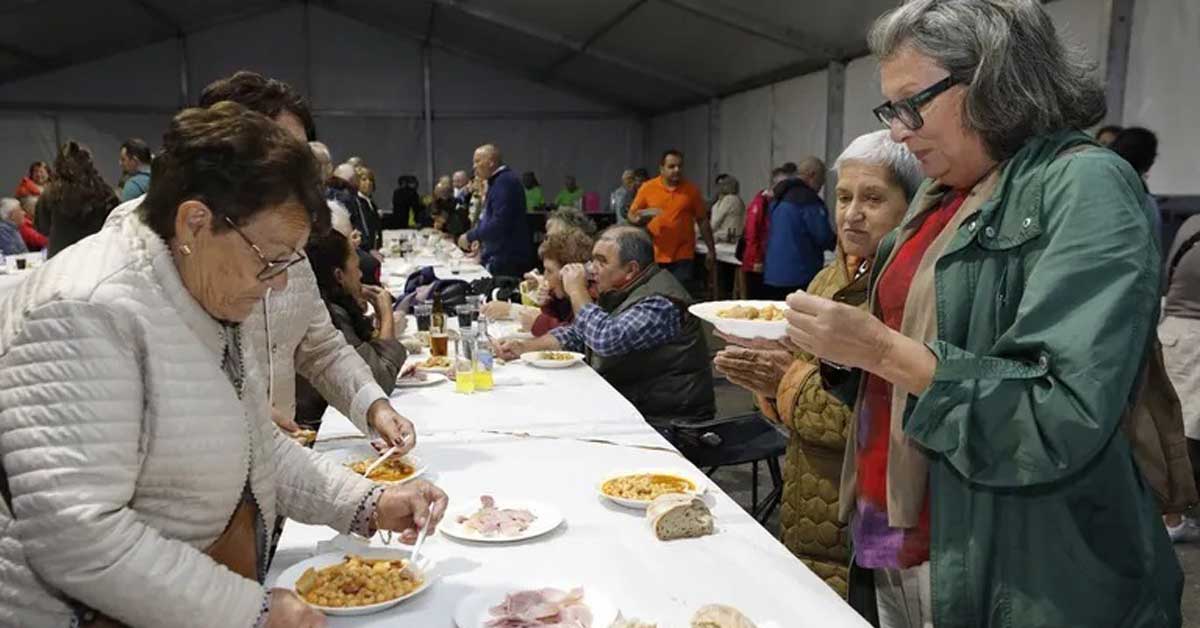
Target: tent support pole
x,y
835,118
1120,30
427,62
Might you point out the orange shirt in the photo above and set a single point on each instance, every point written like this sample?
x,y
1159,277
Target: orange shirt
x,y
674,230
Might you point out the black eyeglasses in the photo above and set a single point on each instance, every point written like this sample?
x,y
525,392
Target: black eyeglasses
x,y
908,111
270,269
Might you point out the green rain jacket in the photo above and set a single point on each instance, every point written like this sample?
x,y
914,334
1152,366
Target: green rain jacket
x,y
1046,300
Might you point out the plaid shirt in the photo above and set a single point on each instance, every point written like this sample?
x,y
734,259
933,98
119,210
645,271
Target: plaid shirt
x,y
650,323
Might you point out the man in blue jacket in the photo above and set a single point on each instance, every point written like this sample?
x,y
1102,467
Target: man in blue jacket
x,y
502,230
799,231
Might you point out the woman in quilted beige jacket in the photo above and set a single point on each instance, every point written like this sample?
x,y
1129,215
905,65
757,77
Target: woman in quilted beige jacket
x,y
876,178
142,473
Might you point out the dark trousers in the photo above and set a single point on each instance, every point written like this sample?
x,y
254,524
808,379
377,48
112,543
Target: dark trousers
x,y
682,270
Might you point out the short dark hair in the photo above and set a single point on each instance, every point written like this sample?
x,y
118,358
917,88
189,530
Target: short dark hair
x,y
235,161
789,168
778,172
669,152
1110,128
258,93
529,180
1139,146
34,166
641,173
137,148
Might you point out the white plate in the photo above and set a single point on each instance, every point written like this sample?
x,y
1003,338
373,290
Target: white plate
x,y
473,611
701,485
534,358
548,519
287,579
771,330
345,455
421,378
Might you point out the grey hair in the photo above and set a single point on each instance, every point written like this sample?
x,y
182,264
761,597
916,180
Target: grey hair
x,y
1022,79
574,219
633,245
877,149
7,205
324,158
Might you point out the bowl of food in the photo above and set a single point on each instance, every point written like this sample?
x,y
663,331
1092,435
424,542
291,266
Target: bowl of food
x,y
358,455
745,319
551,359
394,470
636,489
375,579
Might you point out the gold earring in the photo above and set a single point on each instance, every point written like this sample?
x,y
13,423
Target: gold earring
x,y
185,249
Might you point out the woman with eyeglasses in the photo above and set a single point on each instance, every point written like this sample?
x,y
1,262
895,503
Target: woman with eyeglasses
x,y
989,482
142,474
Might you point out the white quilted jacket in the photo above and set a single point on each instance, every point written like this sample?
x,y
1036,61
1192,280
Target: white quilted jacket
x,y
302,340
126,448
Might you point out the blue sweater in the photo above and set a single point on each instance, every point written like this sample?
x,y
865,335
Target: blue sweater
x,y
503,228
798,236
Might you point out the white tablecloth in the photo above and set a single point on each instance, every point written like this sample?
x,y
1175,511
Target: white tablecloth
x,y
726,252
536,442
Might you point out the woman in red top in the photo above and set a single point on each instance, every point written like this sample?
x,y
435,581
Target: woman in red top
x,y
754,246
32,184
569,246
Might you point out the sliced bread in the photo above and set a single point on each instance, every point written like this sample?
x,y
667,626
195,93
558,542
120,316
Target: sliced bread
x,y
676,516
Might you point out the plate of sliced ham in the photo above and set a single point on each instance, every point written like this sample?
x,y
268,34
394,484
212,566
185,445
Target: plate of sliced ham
x,y
498,520
519,607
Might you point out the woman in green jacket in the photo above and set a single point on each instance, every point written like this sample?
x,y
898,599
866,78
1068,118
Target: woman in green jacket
x,y
987,480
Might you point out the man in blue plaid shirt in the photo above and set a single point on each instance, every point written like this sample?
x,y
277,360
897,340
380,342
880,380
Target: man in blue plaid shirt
x,y
634,327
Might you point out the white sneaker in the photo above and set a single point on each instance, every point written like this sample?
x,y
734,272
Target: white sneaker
x,y
1188,531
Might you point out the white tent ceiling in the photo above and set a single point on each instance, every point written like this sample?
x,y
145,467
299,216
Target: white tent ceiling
x,y
644,56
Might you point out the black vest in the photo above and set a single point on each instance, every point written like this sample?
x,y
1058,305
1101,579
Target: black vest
x,y
669,382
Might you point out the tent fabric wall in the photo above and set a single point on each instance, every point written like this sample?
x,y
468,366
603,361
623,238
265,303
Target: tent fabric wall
x,y
378,115
799,108
594,151
108,81
686,131
746,137
387,73
1162,88
34,134
863,94
391,146
1085,23
270,44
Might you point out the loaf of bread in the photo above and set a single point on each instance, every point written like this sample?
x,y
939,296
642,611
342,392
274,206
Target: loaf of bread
x,y
676,516
720,616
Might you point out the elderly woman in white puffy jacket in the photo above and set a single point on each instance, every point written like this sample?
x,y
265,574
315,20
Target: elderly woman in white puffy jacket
x,y
141,471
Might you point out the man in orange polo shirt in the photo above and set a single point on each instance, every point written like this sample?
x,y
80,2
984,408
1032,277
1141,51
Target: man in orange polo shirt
x,y
671,205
